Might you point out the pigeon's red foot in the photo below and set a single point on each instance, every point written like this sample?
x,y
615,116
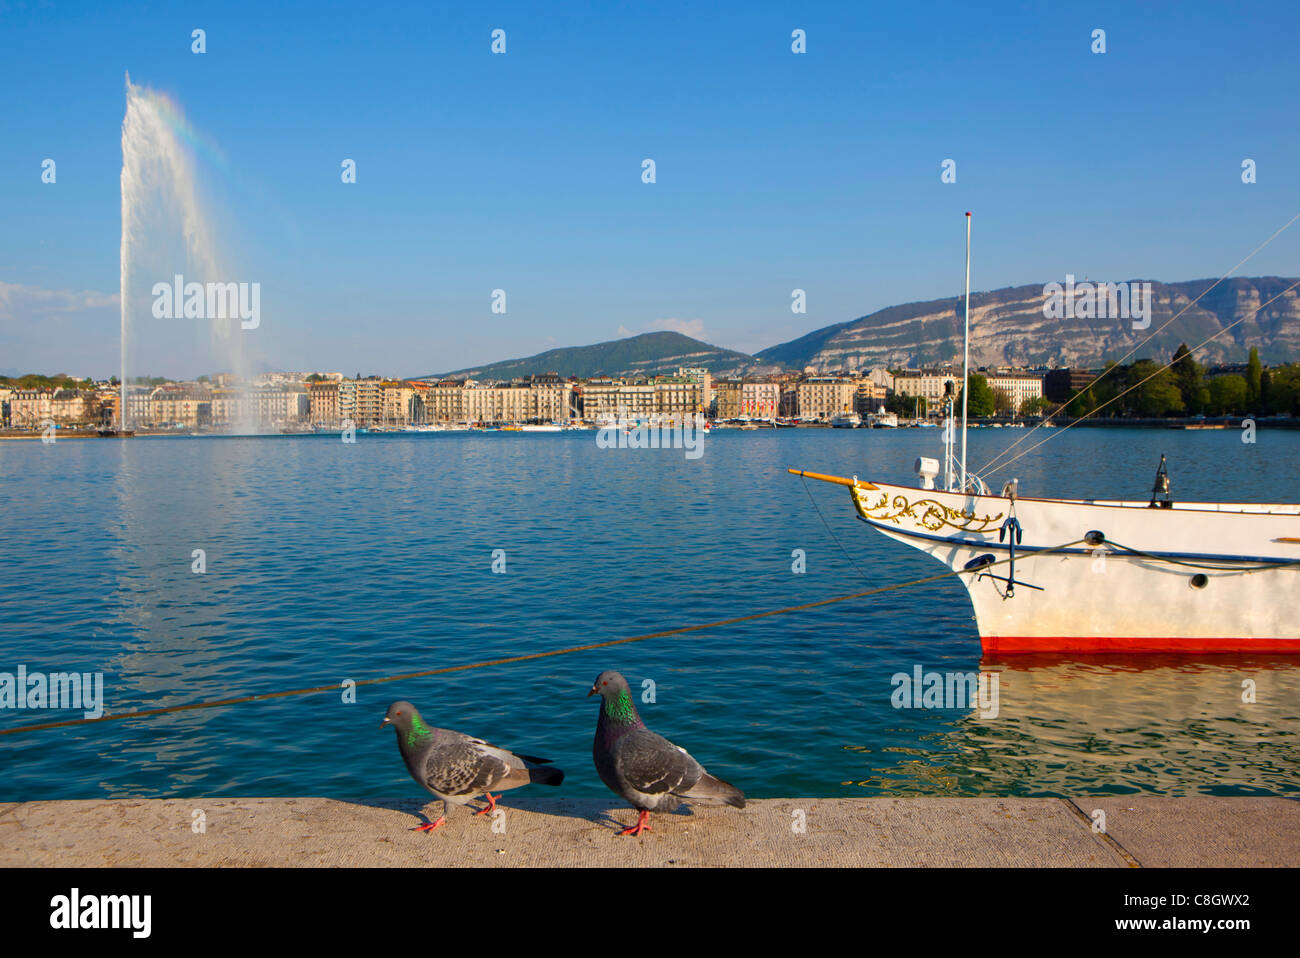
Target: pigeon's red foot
x,y
430,826
642,825
492,803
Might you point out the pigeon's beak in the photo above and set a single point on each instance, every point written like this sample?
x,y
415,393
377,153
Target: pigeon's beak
x,y
386,721
593,691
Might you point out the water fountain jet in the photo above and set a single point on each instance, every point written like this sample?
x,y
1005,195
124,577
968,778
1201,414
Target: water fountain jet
x,y
164,225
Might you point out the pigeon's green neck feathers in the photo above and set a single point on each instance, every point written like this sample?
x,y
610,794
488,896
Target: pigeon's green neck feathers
x,y
419,731
619,709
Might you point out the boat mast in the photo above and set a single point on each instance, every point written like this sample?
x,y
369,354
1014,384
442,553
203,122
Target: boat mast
x,y
965,364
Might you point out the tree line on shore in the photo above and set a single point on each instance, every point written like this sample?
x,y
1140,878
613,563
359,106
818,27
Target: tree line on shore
x,y
41,381
1142,389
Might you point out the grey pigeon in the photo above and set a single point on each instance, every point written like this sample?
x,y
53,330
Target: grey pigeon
x,y
646,769
457,767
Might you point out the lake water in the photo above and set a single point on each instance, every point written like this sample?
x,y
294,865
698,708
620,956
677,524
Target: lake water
x,y
328,561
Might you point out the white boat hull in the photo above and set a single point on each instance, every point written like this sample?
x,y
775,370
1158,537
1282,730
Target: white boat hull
x,y
1192,578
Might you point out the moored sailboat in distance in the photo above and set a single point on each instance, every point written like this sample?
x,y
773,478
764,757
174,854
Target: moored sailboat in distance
x,y
1092,575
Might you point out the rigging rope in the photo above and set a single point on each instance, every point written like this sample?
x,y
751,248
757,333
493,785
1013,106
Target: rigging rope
x,y
830,533
1070,425
1105,372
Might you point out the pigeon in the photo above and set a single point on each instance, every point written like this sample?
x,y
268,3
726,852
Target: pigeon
x,y
646,769
457,767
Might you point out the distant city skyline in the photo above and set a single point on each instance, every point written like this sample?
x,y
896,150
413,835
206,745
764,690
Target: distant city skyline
x,y
522,171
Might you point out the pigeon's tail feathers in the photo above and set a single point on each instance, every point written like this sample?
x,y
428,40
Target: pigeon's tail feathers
x,y
714,790
544,774
526,773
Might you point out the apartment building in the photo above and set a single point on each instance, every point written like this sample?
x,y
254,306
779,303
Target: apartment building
x,y
348,401
108,399
260,407
404,403
542,398
1059,385
32,408
727,397
610,399
929,384
701,375
1019,388
760,400
677,397
496,403
29,408
323,399
280,405
369,403
445,401
550,398
176,404
869,396
824,397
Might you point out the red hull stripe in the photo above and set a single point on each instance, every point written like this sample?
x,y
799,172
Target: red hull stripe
x,y
1095,643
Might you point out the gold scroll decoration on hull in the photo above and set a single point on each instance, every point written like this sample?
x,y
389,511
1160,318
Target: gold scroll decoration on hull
x,y
928,513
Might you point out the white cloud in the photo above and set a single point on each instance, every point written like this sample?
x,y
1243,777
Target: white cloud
x,y
59,330
19,302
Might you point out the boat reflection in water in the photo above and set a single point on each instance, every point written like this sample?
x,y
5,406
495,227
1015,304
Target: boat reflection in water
x,y
1219,725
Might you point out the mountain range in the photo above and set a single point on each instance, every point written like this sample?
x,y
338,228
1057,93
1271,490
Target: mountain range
x,y
1008,328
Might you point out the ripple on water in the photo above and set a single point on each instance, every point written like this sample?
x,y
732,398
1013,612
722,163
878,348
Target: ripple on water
x,y
327,562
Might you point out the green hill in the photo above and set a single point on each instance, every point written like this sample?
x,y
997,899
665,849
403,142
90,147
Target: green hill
x,y
647,354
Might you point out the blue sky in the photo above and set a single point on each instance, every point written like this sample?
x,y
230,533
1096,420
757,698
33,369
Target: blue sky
x,y
522,171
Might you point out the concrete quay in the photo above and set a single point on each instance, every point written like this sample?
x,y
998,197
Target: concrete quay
x,y
549,832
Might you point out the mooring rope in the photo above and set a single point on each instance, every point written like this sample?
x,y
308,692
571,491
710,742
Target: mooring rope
x,y
1234,569
319,689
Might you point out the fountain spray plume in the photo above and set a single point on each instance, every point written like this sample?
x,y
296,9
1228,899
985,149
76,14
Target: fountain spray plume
x,y
163,220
